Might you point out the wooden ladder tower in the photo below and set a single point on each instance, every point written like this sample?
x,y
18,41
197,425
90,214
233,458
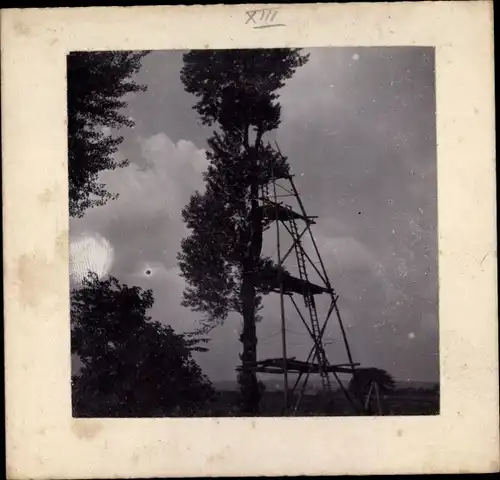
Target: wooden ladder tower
x,y
301,292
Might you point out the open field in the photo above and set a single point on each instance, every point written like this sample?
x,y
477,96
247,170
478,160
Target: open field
x,y
400,402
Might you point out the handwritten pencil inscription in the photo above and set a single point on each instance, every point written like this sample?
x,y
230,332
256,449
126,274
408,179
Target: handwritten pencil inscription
x,y
263,18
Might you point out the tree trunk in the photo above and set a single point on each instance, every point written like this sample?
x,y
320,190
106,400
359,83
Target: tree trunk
x,y
250,391
248,378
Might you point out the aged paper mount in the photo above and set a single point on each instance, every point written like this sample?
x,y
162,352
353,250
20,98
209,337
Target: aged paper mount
x,y
44,441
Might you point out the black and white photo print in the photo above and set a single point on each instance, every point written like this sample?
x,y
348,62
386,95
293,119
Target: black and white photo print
x,y
250,240
253,232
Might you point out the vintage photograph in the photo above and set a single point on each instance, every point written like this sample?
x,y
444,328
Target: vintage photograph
x,y
272,227
253,232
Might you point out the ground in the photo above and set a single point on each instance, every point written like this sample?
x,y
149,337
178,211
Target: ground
x,y
400,402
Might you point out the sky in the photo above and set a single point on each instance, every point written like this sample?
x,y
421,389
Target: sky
x,y
358,128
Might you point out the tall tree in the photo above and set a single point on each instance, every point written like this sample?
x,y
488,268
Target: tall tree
x,y
97,85
221,259
132,366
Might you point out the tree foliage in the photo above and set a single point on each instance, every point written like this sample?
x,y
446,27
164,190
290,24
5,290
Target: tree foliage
x,y
238,92
132,366
239,88
97,85
360,383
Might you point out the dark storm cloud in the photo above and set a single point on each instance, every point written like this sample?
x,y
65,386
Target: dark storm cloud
x,y
359,130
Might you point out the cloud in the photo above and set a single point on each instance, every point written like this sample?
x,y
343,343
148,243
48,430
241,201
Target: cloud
x,y
90,252
145,221
170,173
144,224
347,253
